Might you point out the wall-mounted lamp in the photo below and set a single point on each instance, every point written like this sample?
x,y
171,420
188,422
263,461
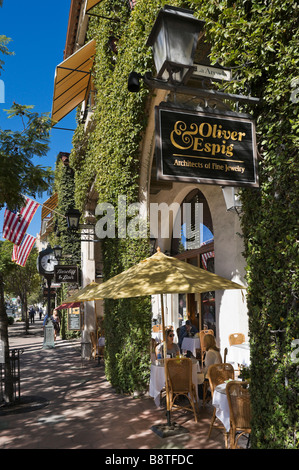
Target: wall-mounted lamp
x,y
57,252
231,197
73,218
174,39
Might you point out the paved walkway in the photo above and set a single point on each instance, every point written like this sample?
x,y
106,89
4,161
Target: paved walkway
x,y
67,403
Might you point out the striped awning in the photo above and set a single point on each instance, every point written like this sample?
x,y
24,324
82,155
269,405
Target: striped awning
x,y
73,81
49,205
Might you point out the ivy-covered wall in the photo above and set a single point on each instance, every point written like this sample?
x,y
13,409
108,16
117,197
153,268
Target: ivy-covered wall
x,y
259,40
108,157
70,242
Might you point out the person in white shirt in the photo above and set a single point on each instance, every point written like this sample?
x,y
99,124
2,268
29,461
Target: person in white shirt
x,y
213,355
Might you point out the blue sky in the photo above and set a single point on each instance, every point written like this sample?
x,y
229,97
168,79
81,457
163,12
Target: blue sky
x,y
38,32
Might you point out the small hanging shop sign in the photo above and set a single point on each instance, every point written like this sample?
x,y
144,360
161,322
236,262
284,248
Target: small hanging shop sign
x,y
66,273
205,147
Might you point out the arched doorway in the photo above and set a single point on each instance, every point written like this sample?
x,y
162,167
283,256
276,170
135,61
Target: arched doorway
x,y
199,308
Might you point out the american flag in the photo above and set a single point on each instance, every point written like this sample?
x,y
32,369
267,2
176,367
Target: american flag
x,y
15,224
206,256
21,252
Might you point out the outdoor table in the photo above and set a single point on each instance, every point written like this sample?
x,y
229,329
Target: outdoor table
x,y
220,402
191,344
239,354
157,380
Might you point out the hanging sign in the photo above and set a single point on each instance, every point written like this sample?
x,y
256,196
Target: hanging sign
x,y
214,73
205,147
65,273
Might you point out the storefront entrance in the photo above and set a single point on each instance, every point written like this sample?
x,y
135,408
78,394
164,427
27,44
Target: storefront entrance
x,y
199,308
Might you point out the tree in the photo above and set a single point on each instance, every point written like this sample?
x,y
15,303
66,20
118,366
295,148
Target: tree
x,y
19,177
17,150
21,281
3,47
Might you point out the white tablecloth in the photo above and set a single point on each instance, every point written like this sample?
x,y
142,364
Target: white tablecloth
x,y
157,380
239,354
221,404
191,344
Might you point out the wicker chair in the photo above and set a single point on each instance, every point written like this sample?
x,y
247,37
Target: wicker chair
x,y
240,410
218,374
179,373
236,338
202,334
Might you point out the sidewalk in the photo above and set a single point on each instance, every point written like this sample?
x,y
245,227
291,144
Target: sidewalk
x,y
67,403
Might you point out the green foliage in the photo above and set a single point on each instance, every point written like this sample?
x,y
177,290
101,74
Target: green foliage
x,y
70,242
17,148
3,47
111,153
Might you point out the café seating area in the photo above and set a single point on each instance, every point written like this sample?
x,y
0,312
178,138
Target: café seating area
x,y
225,394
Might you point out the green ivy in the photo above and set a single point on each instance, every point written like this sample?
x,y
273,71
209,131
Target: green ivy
x,y
70,242
259,40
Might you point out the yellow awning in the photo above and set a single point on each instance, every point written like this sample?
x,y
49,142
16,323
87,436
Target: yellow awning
x,y
91,4
72,81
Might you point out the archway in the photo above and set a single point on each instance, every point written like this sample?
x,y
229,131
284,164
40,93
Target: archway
x,y
198,251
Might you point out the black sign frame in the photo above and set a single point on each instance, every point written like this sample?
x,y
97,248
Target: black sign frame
x,y
224,146
66,273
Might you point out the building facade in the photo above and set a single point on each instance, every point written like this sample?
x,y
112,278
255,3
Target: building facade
x,y
220,246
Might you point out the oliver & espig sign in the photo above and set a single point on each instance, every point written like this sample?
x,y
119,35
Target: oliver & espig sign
x,y
205,147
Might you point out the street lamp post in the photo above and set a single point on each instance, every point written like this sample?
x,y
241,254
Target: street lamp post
x,y
49,327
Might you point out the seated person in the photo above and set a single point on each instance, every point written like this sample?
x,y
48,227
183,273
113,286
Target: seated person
x,y
153,350
187,330
212,356
172,348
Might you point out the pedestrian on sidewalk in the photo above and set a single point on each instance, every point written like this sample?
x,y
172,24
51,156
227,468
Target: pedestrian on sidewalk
x,y
31,314
56,322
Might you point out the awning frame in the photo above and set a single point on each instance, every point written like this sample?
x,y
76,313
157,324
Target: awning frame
x,y
70,86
